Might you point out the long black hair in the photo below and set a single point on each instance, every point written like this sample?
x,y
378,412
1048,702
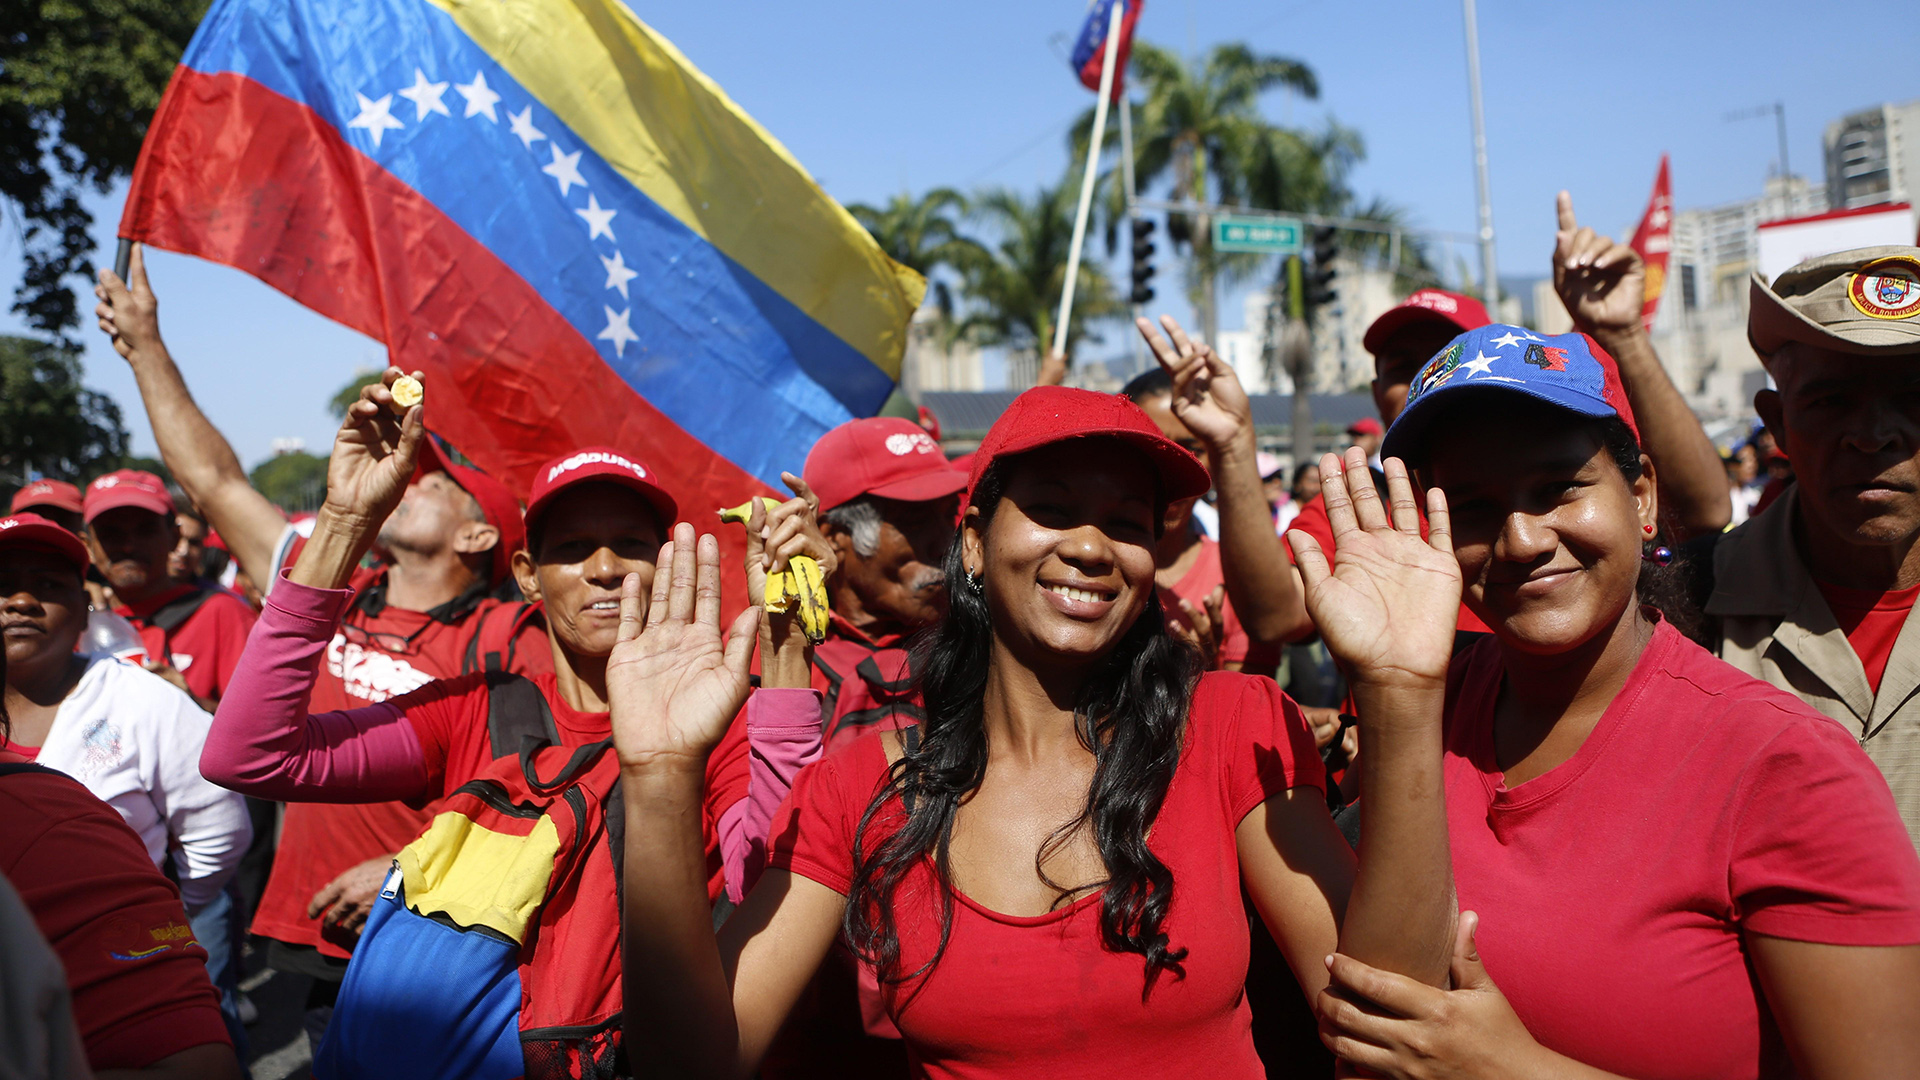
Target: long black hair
x,y
1131,714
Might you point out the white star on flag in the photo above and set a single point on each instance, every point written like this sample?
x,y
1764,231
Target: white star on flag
x,y
1507,340
617,330
376,117
1481,364
617,272
522,125
599,222
566,169
425,96
480,97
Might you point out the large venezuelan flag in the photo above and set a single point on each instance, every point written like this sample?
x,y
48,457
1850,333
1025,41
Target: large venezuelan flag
x,y
546,207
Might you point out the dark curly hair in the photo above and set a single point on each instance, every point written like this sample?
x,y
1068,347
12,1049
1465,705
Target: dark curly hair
x,y
1131,715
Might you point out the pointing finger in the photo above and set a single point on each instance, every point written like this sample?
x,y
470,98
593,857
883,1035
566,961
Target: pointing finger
x,y
1163,350
1563,205
1178,334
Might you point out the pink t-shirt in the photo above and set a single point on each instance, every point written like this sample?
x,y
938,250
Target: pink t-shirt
x,y
1040,997
1614,889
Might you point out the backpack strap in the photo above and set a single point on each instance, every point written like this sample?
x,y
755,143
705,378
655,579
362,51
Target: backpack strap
x,y
12,768
494,643
834,679
516,713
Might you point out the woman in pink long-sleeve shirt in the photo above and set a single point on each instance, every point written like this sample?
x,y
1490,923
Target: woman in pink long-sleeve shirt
x,y
596,519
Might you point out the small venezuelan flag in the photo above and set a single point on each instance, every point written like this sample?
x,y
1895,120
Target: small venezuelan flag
x,y
547,208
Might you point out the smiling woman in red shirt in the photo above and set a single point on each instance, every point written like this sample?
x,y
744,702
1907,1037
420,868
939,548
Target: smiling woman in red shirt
x,y
1676,871
1047,872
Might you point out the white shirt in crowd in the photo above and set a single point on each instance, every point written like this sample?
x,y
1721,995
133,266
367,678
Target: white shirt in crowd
x,y
134,739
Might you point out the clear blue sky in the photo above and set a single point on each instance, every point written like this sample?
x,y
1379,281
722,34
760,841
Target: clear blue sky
x,y
879,97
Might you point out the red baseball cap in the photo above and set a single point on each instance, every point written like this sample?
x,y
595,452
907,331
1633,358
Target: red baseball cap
x,y
127,487
1366,425
1046,415
1457,311
884,456
55,493
599,463
32,530
497,504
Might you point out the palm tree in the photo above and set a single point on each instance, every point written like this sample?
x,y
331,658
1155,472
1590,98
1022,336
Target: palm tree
x,y
923,234
1204,127
1014,290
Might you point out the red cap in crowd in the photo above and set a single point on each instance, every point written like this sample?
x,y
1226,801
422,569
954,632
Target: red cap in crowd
x,y
604,464
1046,415
55,493
1366,425
884,456
34,531
497,504
1454,310
127,487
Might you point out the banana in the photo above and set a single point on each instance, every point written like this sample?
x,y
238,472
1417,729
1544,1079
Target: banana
x,y
744,510
407,392
800,586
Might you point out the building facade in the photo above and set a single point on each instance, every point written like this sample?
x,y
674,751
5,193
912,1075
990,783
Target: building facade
x,y
1873,157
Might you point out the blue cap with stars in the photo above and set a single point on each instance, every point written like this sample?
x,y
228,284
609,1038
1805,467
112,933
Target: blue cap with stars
x,y
1568,370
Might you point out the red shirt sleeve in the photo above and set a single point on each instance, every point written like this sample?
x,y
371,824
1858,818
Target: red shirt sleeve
x,y
138,978
813,834
1819,852
1263,742
1313,521
444,714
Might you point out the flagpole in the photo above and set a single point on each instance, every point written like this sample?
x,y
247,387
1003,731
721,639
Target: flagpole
x,y
1086,181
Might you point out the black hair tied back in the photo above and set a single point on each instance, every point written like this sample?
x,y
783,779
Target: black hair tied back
x,y
1132,716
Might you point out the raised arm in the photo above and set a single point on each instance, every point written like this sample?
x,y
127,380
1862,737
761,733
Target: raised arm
x,y
1386,609
263,741
695,1006
1603,283
1208,398
194,450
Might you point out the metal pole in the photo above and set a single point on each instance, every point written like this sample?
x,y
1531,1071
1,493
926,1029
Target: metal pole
x,y
1489,266
1780,119
1086,181
1126,180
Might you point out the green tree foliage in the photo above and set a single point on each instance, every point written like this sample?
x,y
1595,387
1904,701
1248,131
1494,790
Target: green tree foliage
x,y
350,393
50,425
1014,291
293,481
79,80
923,234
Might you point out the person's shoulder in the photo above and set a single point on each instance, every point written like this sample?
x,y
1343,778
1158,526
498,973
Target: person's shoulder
x,y
1726,704
42,805
130,691
1222,698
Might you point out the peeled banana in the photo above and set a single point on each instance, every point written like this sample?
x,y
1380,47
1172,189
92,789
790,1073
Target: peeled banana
x,y
407,392
800,587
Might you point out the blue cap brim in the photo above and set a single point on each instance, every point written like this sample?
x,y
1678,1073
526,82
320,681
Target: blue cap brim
x,y
1407,437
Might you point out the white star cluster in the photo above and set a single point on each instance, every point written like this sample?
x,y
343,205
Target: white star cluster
x,y
376,118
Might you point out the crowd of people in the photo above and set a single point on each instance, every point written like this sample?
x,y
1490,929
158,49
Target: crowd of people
x,y
1527,737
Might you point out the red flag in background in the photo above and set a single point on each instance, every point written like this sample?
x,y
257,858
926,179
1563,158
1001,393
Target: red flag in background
x,y
1654,240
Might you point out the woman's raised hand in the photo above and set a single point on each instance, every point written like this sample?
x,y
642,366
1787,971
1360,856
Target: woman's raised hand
x,y
1387,603
373,455
673,684
1207,396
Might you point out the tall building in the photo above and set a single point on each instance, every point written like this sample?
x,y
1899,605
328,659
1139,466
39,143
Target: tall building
x,y
934,363
1873,157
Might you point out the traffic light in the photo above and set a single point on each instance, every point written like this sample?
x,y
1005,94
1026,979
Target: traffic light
x,y
1320,290
1142,260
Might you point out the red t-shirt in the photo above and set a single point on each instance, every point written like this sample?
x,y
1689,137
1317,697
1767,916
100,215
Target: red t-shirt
x,y
1313,521
1872,622
207,646
1040,996
870,686
139,979
450,719
371,658
1614,889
